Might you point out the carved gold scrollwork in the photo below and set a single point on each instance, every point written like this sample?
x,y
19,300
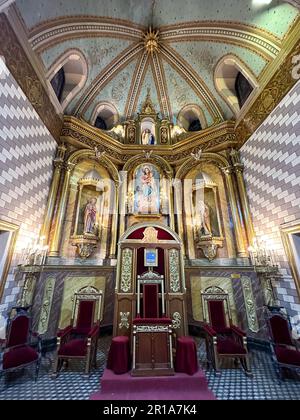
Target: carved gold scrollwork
x,y
250,304
124,320
46,305
126,273
174,268
176,321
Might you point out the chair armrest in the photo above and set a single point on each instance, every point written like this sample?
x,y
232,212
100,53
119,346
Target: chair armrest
x,y
209,330
62,333
236,330
94,331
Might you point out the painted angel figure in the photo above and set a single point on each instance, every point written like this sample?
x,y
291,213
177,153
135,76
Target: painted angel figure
x,y
90,215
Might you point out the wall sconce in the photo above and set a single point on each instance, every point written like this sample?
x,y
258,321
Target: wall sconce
x,y
261,254
35,253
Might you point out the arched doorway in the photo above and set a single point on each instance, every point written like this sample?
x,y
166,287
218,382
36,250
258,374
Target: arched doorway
x,y
141,244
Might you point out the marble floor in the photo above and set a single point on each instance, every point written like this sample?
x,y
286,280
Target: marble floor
x,y
232,384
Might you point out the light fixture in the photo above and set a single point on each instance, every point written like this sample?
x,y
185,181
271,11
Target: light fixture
x,y
262,254
261,2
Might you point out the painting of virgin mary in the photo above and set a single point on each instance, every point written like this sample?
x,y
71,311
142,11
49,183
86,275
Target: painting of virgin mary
x,y
146,190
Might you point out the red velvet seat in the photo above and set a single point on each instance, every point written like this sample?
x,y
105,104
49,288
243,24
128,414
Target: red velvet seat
x,y
76,347
223,339
229,346
19,352
119,355
186,356
287,356
19,356
285,350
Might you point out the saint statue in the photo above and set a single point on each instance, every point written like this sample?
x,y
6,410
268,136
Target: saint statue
x,y
205,223
90,213
147,137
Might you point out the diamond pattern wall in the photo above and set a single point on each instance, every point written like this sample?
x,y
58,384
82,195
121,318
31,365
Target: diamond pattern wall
x,y
272,173
26,153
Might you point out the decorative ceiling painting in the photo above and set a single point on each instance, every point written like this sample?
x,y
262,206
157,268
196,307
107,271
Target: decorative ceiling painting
x,y
133,46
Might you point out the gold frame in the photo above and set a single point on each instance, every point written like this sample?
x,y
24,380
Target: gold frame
x,y
14,229
286,231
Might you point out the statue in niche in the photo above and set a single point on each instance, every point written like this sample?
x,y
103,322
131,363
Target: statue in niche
x,y
205,221
148,137
90,216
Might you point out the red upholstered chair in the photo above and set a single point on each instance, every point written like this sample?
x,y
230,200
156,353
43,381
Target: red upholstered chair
x,y
223,339
19,349
79,340
285,350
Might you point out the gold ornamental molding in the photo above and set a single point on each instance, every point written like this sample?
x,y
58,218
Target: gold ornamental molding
x,y
55,31
260,41
113,68
24,73
52,32
82,135
276,82
136,85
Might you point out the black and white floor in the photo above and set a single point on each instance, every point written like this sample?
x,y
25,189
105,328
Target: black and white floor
x,y
232,384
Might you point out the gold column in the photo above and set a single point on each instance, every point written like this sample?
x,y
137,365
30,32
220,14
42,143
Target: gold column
x,y
123,201
114,225
55,243
239,169
171,204
241,250
244,202
58,164
179,198
78,208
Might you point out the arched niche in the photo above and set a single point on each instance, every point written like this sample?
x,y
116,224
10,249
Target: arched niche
x,y
108,113
229,72
68,75
148,191
189,115
131,264
197,185
90,180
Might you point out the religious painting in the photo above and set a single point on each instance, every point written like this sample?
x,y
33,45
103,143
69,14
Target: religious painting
x,y
148,132
146,190
89,211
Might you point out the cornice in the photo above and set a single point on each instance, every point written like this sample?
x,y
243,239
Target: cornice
x,y
23,70
82,135
276,82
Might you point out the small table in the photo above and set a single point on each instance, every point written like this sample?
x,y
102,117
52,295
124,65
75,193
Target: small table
x,y
118,356
186,356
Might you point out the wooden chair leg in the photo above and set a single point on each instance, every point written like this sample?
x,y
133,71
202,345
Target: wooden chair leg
x,y
246,365
55,367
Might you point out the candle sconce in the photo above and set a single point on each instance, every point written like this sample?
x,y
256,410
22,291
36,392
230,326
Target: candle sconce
x,y
263,258
35,254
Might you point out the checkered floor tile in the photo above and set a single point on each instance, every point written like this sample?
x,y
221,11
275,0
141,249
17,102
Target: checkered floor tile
x,y
232,384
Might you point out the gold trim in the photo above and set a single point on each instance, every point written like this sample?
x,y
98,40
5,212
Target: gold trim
x,y
14,229
286,231
275,83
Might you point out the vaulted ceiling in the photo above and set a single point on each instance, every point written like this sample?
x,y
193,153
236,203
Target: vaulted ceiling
x,y
176,63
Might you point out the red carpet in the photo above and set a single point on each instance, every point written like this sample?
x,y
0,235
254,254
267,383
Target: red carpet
x,y
177,387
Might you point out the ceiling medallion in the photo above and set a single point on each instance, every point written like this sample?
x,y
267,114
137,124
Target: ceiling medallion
x,y
151,40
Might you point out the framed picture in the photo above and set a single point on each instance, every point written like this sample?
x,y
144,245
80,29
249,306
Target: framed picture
x,y
151,257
